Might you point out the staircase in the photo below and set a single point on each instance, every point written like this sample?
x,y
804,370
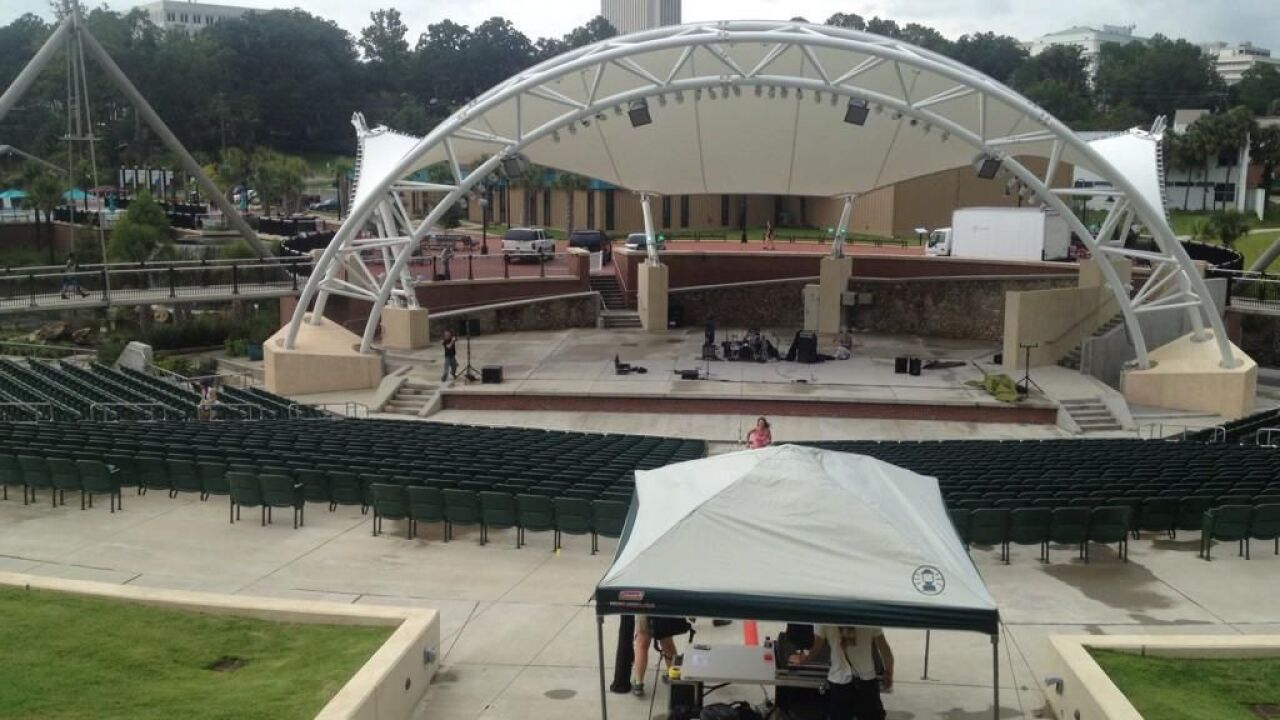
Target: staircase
x,y
610,291
411,399
621,319
1091,415
1071,360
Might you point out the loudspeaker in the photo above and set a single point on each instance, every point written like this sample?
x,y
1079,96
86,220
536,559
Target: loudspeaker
x,y
491,375
900,366
801,703
807,347
683,695
913,366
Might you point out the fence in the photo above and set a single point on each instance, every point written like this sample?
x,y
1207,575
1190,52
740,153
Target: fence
x,y
792,237
1251,289
434,268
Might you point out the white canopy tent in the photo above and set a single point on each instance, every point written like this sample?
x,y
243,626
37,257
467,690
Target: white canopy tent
x,y
749,107
795,534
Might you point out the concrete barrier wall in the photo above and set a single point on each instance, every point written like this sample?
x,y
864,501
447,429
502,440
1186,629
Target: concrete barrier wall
x,y
1055,320
949,307
549,313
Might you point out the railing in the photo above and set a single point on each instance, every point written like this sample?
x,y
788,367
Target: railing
x,y
791,237
243,411
433,268
239,379
1251,289
1157,431
1263,436
146,412
43,351
338,411
26,411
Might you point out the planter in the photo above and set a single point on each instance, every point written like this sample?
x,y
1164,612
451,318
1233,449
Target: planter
x,y
255,351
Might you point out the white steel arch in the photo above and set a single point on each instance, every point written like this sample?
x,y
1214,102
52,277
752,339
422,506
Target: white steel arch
x,y
746,107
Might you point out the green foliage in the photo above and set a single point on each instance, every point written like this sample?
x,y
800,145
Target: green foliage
x,y
201,331
996,55
1259,88
1192,689
235,347
109,350
163,656
238,250
1227,226
1000,386
452,217
1058,81
279,180
1157,77
141,233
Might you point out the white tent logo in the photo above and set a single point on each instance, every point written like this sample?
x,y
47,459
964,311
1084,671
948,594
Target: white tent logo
x,y
928,580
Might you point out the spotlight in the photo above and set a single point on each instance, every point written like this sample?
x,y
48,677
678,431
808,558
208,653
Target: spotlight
x,y
587,123
817,97
638,111
834,99
784,92
662,100
601,117
914,122
799,94
573,129
555,137
856,113
772,92
617,110
679,96
928,128
737,91
945,136
711,93
759,91
897,116
697,94
513,165
986,166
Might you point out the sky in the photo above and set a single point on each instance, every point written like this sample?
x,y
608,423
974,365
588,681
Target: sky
x,y
1257,21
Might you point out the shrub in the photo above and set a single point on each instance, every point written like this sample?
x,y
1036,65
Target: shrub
x,y
109,351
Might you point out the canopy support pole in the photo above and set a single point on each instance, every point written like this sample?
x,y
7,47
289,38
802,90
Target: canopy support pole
x,y
995,676
842,227
927,634
604,705
651,247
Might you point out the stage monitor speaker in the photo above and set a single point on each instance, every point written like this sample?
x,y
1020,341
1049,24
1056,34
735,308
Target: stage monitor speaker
x,y
900,366
807,347
913,366
491,375
688,374
683,695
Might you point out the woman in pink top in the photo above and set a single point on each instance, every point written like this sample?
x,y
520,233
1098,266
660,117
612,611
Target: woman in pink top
x,y
760,435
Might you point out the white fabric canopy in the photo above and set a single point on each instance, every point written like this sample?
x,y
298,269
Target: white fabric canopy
x,y
795,534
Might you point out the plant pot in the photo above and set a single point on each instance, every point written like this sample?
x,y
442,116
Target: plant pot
x,y
255,350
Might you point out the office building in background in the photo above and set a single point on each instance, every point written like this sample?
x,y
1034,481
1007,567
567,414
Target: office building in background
x,y
629,16
190,16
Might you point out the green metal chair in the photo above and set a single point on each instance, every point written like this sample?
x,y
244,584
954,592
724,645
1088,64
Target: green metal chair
x,y
35,473
960,522
65,476
1111,524
1191,512
153,474
389,501
990,526
1158,515
1030,526
426,504
246,491
497,510
1070,526
573,517
213,479
99,478
461,507
11,475
1230,523
534,512
315,485
607,518
1265,525
282,491
344,489
184,476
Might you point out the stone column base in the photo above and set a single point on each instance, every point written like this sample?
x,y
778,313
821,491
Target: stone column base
x,y
405,328
1186,376
833,280
651,297
326,358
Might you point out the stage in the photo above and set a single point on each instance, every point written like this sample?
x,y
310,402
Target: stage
x,y
573,370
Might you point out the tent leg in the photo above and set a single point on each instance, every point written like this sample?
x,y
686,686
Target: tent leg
x,y
604,705
927,634
995,677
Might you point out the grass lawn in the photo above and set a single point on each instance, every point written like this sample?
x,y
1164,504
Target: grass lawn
x,y
1251,246
68,657
1175,689
1183,222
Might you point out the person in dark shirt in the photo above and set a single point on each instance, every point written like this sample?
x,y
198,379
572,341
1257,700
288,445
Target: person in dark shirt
x,y
450,344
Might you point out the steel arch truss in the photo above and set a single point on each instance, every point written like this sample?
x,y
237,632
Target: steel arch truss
x,y
959,107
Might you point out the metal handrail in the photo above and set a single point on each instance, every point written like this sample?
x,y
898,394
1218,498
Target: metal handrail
x,y
1157,432
350,409
1265,433
30,407
148,408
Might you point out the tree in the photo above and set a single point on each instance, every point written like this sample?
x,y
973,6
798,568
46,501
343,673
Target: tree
x,y
44,194
572,184
849,21
279,180
998,56
885,27
927,38
1259,88
1157,77
1265,150
1058,81
593,31
534,180
383,40
1227,226
1236,127
141,233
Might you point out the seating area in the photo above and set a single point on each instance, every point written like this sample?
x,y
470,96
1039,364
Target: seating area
x,y
34,390
1244,430
1077,491
491,477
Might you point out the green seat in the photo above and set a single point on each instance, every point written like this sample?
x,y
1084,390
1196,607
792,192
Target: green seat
x,y
213,478
1229,522
1158,514
607,518
99,478
389,501
184,476
426,504
1191,512
573,517
126,468
11,475
1111,524
498,510
344,489
1265,524
282,491
461,507
960,523
65,476
1070,526
153,474
534,512
246,491
990,526
35,474
1030,526
315,485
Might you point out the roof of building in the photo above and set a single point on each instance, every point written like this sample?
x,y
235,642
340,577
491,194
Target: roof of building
x,y
1187,116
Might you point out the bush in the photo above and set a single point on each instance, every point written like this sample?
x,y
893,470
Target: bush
x,y
236,347
200,332
1227,226
109,351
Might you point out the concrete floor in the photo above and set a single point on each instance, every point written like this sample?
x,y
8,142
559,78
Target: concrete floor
x,y
518,626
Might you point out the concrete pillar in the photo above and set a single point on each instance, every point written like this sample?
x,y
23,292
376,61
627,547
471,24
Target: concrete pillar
x,y
405,328
833,280
651,297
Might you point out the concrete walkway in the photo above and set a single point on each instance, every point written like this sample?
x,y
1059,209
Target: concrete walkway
x,y
519,630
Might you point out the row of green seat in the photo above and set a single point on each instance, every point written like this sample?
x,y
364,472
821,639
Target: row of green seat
x,y
1240,523
266,492
1043,526
58,475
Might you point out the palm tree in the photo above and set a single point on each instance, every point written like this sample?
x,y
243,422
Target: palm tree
x,y
1237,126
45,194
571,183
533,179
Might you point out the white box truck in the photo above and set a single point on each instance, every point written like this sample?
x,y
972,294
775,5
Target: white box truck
x,y
1003,233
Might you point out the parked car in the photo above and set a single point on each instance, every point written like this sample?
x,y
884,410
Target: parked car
x,y
329,204
592,241
639,241
531,243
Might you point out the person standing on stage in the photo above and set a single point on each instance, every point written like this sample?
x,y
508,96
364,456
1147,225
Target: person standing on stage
x,y
854,690
450,344
768,236
760,436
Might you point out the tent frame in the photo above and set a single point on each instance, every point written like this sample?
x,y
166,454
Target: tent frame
x,y
1188,293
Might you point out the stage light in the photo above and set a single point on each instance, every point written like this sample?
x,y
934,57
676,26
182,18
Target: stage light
x,y
856,113
662,100
945,136
986,166
513,166
737,91
773,92
617,110
759,91
799,94
573,129
817,97
697,94
711,93
928,128
784,92
555,137
679,96
638,111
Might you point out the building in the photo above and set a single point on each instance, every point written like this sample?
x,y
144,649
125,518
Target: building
x,y
190,16
629,16
1089,39
1233,60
